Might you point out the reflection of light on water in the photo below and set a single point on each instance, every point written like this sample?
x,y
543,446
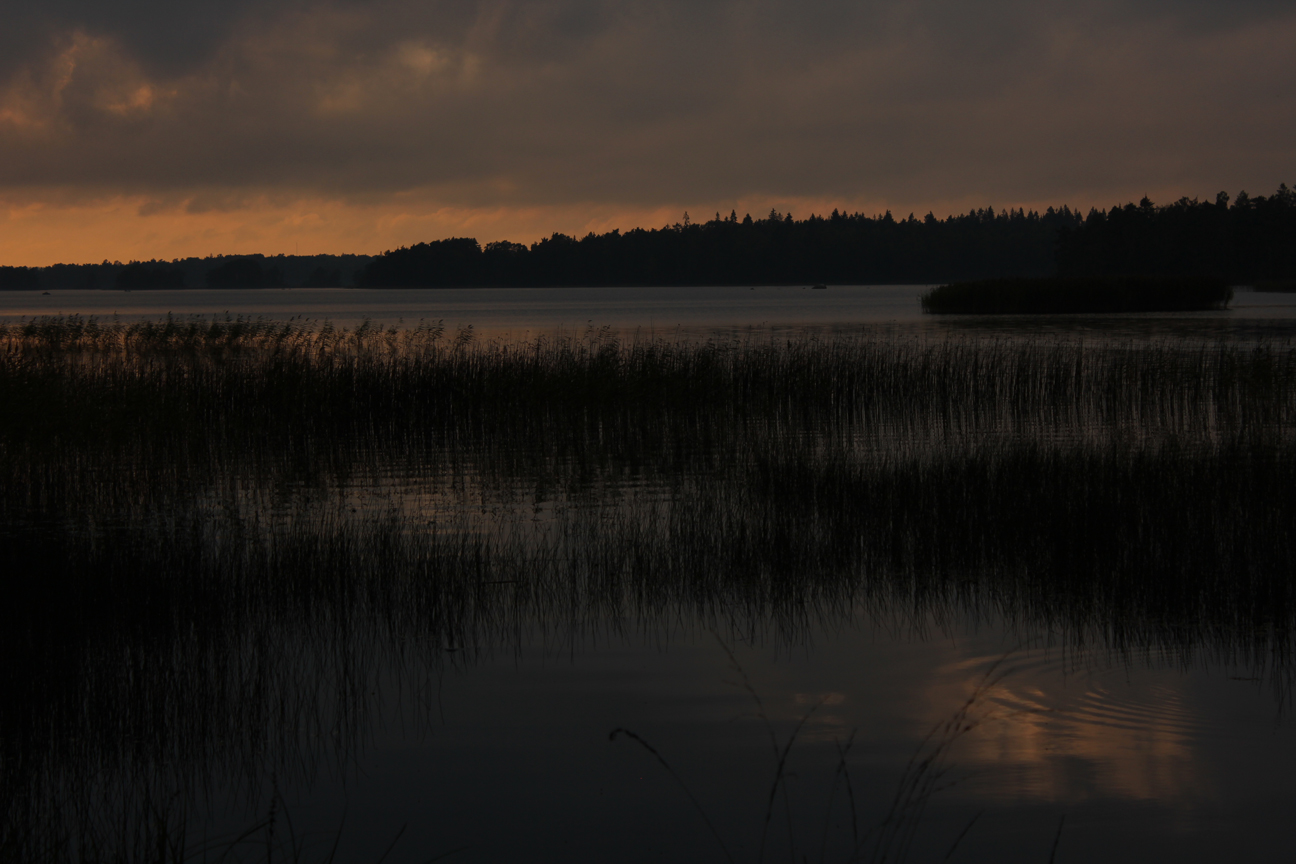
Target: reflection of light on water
x,y
1051,736
828,721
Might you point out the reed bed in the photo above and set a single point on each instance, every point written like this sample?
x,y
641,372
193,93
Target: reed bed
x,y
208,527
1051,295
77,380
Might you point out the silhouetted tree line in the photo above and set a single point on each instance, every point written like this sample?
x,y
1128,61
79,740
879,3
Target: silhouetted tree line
x,y
1250,240
1253,239
19,278
138,275
841,248
245,273
217,271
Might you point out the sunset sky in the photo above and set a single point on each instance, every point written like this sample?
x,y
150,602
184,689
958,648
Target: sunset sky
x,y
165,128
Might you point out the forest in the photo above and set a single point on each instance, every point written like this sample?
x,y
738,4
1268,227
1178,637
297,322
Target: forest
x,y
775,250
1249,240
1243,240
215,271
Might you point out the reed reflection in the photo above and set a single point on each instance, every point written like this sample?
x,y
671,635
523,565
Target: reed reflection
x,y
220,537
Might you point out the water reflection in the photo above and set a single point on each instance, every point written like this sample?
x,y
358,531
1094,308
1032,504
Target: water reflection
x,y
695,313
421,581
1090,734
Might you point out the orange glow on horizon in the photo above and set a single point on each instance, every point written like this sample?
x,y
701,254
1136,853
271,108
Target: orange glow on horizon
x,y
46,231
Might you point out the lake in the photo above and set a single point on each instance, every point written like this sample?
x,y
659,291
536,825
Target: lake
x,y
859,585
527,312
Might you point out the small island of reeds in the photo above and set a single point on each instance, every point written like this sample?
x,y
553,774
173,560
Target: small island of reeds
x,y
1275,286
1082,294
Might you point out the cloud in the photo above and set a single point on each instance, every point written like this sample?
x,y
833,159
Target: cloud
x,y
476,105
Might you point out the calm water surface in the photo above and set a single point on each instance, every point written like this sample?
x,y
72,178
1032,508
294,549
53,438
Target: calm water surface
x,y
529,312
508,756
493,310
481,731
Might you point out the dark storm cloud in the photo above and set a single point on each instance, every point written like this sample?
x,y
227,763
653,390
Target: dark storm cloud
x,y
491,102
165,36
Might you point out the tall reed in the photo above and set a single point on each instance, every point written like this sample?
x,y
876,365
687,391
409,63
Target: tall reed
x,y
209,526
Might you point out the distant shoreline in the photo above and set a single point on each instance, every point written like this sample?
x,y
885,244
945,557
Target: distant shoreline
x,y
1251,240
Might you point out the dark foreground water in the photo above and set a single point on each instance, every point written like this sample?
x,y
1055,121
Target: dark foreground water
x,y
866,597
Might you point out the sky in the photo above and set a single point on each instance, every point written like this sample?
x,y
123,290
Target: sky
x,y
144,129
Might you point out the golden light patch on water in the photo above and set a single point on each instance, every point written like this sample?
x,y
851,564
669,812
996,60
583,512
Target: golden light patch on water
x,y
1053,735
